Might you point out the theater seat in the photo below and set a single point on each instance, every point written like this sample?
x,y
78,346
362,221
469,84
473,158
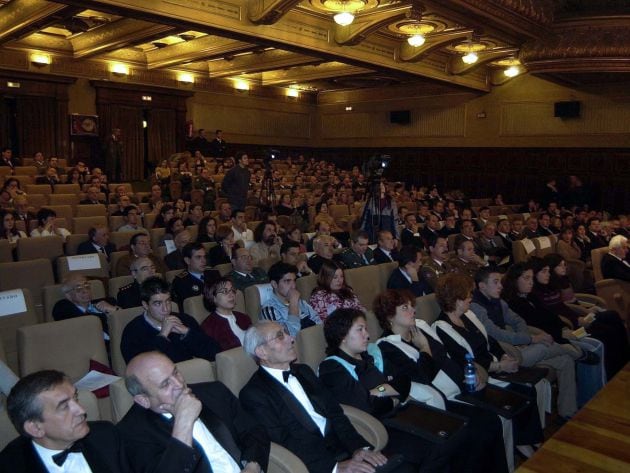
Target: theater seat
x,y
114,284
368,426
117,321
91,210
32,275
365,281
305,285
49,247
6,251
10,323
234,368
427,308
522,250
64,266
311,346
52,294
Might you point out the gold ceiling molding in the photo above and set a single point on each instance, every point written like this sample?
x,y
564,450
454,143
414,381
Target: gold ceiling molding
x,y
457,66
116,35
267,12
20,16
597,48
408,53
367,23
258,62
310,73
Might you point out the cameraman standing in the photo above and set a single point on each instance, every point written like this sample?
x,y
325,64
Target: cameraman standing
x,y
236,182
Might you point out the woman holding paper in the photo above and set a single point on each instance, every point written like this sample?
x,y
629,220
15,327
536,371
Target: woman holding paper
x,y
47,225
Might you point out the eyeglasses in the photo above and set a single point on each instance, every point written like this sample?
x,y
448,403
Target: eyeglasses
x,y
80,287
225,292
146,268
279,336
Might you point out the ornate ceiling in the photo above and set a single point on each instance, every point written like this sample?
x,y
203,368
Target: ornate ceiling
x,y
297,44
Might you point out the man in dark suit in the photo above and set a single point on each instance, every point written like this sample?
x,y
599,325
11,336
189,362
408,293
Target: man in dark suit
x,y
243,273
614,264
298,412
51,178
594,233
190,282
178,336
324,247
7,159
54,432
431,229
409,235
129,295
79,302
91,197
218,146
503,232
406,275
196,429
98,242
386,251
175,259
359,254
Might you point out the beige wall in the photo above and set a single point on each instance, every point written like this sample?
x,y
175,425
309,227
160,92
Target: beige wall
x,y
82,98
518,114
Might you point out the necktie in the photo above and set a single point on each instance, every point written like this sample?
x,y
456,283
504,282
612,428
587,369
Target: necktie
x,y
101,249
60,458
201,277
287,373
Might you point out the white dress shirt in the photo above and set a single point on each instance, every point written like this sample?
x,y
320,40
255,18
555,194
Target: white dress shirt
x,y
236,330
75,462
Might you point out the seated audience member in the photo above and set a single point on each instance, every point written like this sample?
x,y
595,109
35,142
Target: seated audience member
x,y
55,435
467,216
46,225
222,252
386,251
22,214
139,247
155,199
290,254
566,246
178,336
8,230
353,378
197,428
506,326
332,292
359,253
132,217
172,228
123,201
166,213
484,215
39,162
531,228
195,214
614,263
436,265
225,213
324,247
267,242
223,324
97,242
190,283
516,233
605,326
330,442
244,274
410,347
407,276
544,225
129,295
431,229
206,230
492,246
450,227
285,305
460,332
465,261
78,302
468,233
583,242
239,227
285,207
294,233
503,233
321,228
175,259
91,197
595,233
50,177
409,235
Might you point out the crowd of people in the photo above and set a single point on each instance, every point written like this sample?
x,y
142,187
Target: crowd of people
x,y
507,316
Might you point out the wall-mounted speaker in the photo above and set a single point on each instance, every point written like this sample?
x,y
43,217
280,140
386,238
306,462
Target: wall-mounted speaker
x,y
400,117
568,109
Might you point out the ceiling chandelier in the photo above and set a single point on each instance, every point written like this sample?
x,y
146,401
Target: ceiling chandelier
x,y
344,10
470,49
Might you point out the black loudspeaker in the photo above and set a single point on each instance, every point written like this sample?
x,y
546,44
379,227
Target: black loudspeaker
x,y
570,109
400,117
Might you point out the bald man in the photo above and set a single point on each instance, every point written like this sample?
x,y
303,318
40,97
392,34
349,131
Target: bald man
x,y
173,427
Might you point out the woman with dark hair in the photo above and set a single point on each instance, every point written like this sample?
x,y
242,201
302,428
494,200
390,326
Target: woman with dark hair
x,y
567,247
74,177
604,325
462,333
167,212
8,230
332,292
172,228
47,226
206,230
294,233
410,347
286,206
222,252
223,324
583,242
353,378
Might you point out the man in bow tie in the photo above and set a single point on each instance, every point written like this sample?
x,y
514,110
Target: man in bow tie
x,y
174,428
298,412
55,435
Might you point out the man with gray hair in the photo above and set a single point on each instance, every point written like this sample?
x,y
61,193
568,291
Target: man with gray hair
x,y
298,412
173,427
54,432
129,295
614,264
324,247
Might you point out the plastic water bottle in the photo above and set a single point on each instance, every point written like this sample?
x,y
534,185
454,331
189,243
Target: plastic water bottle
x,y
470,374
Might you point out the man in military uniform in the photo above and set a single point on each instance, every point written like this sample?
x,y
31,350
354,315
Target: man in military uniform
x,y
436,265
129,295
466,261
324,246
359,254
139,247
243,273
190,283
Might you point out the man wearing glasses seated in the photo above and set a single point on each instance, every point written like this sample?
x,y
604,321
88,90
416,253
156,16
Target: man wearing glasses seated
x,y
129,295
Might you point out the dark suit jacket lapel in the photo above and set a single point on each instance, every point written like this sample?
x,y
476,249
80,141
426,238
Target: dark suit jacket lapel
x,y
32,462
292,403
221,433
318,403
95,459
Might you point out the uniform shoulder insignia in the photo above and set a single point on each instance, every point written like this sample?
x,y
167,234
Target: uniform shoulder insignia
x,y
125,287
183,274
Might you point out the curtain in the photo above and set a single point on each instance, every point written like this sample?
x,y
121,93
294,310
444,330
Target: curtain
x,y
37,125
161,134
129,120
